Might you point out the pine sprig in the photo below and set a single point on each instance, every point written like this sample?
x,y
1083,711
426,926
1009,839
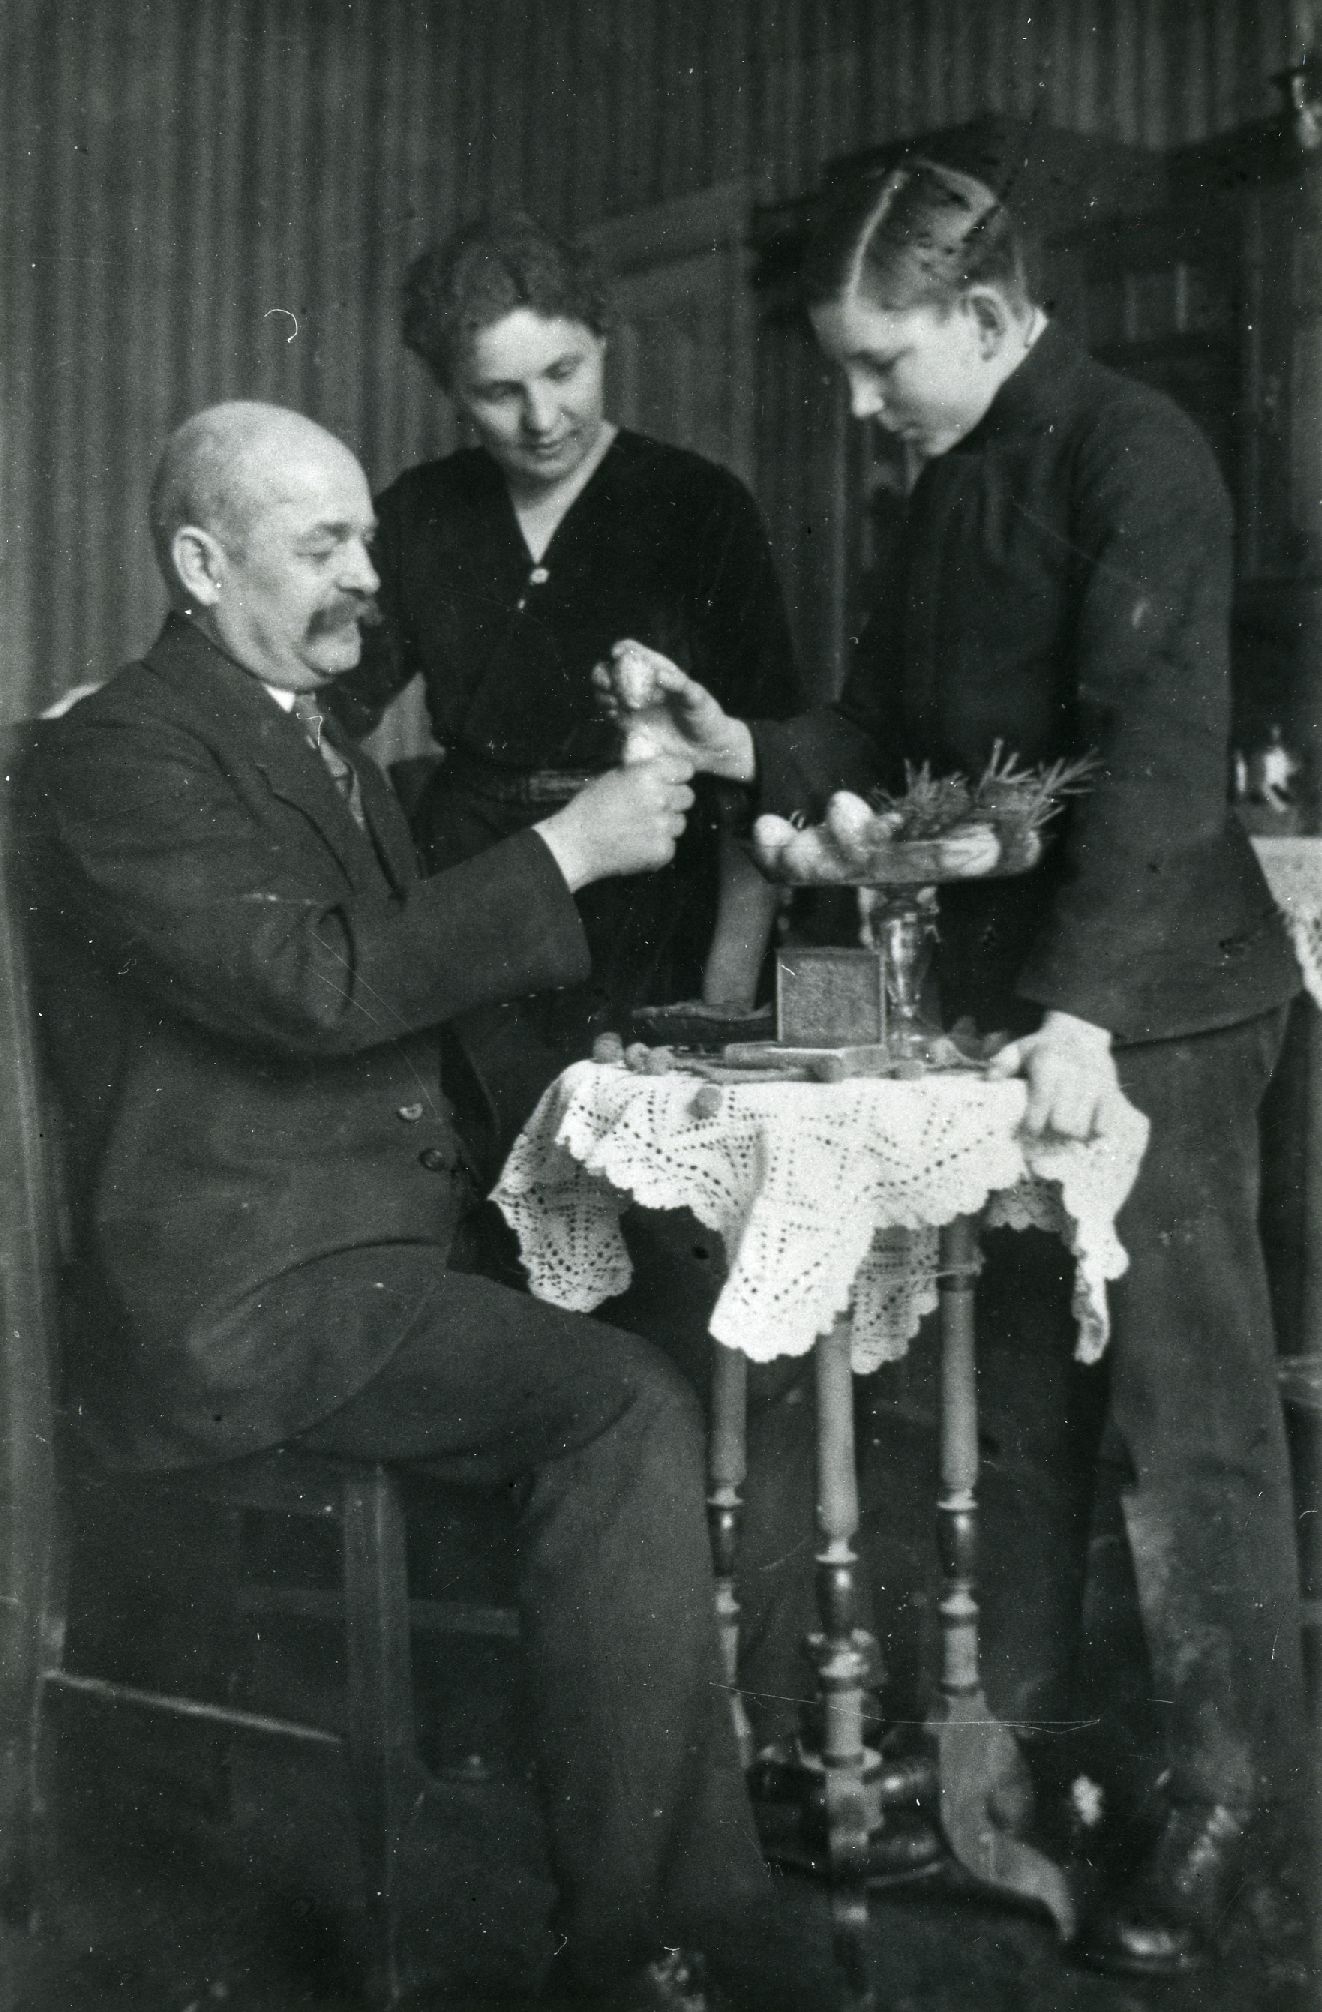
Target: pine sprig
x,y
1007,793
1028,797
928,804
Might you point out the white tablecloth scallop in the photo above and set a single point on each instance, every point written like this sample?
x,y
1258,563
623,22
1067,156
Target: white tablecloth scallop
x,y
827,1197
1293,867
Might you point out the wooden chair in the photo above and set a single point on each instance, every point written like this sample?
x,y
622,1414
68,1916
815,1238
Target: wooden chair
x,y
42,1478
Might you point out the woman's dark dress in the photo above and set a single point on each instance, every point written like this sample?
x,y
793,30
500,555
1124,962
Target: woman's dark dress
x,y
661,546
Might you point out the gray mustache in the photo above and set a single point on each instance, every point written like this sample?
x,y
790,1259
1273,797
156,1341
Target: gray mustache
x,y
363,612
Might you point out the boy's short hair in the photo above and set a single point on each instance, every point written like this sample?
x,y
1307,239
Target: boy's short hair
x,y
920,235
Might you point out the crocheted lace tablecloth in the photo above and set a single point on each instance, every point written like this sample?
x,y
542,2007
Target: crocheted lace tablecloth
x,y
827,1197
1293,867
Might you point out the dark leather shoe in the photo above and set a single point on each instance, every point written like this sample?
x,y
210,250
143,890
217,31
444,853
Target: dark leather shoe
x,y
1167,1919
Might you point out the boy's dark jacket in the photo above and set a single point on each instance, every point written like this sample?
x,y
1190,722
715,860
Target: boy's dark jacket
x,y
242,992
1063,587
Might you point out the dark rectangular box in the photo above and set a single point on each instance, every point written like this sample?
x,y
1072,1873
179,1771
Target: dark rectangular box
x,y
830,998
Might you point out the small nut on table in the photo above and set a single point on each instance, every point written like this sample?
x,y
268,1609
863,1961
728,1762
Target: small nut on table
x,y
706,1101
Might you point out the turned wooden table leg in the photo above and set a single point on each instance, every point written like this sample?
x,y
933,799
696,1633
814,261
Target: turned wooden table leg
x,y
957,1509
980,1771
727,1466
845,1657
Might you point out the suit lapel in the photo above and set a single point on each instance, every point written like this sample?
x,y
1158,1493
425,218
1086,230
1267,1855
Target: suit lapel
x,y
242,716
296,773
385,821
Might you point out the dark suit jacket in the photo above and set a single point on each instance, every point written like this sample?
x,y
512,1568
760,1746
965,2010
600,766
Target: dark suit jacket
x,y
243,992
1063,586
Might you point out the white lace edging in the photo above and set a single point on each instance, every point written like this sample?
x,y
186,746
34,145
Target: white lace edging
x,y
1293,867
826,1197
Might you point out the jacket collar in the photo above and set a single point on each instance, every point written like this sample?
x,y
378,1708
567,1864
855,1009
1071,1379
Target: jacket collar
x,y
240,712
1032,395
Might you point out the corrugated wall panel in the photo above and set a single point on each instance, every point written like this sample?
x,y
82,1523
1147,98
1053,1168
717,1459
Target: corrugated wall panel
x,y
18,338
60,275
176,174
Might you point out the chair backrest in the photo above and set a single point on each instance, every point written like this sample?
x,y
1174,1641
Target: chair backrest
x,y
28,1258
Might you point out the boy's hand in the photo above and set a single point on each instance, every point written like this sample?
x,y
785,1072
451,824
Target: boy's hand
x,y
661,707
1071,1076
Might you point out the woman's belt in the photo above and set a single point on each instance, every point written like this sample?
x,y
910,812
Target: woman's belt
x,y
522,787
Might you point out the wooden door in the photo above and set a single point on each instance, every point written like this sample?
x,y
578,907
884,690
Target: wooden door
x,y
694,360
679,363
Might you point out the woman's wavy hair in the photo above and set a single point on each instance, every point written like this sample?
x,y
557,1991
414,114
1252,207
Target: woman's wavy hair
x,y
917,236
485,270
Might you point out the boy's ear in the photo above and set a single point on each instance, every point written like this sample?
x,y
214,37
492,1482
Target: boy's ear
x,y
991,318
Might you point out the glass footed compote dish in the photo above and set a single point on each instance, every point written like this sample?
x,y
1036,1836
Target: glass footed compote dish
x,y
942,829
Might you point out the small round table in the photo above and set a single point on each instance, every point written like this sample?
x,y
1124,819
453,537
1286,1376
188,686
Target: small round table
x,y
847,1211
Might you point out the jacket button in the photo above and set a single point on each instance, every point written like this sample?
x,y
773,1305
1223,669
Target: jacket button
x,y
410,1113
435,1159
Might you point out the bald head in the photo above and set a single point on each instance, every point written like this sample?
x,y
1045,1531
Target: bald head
x,y
225,466
262,522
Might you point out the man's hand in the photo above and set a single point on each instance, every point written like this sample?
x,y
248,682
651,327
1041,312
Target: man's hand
x,y
626,821
1071,1075
677,715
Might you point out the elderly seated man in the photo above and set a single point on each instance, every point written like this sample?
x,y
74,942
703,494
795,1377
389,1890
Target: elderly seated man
x,y
285,1241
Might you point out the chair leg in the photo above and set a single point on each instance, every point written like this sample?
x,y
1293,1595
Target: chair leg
x,y
27,1844
388,1779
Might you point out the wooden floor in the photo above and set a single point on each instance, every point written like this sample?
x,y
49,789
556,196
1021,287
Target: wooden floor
x,y
154,1908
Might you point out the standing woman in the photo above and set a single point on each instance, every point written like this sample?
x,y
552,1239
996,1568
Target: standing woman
x,y
1063,586
508,571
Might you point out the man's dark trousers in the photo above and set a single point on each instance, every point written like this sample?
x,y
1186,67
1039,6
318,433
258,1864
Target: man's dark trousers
x,y
638,1770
